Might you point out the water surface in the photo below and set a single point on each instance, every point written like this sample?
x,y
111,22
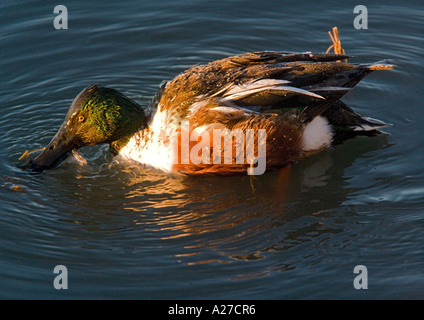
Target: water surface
x,y
128,232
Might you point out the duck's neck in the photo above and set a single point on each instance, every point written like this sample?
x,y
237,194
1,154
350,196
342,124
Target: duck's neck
x,y
136,120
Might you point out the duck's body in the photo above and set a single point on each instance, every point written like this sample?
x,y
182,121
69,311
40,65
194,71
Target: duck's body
x,y
285,94
293,97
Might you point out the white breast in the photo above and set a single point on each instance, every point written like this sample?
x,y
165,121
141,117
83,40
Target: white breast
x,y
153,146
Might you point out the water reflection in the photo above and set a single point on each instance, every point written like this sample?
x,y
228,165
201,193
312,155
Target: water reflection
x,y
222,219
111,204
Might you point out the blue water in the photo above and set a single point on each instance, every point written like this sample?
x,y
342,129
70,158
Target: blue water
x,y
128,232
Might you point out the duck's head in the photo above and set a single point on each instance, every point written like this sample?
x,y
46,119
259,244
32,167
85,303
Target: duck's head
x,y
97,115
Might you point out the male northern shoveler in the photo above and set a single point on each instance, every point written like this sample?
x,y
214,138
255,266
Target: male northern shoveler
x,y
294,97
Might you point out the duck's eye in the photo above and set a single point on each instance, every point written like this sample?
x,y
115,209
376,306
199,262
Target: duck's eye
x,y
81,119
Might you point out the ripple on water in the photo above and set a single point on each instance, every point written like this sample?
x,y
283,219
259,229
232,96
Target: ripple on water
x,y
138,232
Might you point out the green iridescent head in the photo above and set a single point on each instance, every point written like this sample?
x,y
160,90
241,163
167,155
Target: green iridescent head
x,y
97,115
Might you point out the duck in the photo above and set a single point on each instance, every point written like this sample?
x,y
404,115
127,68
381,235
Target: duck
x,y
245,114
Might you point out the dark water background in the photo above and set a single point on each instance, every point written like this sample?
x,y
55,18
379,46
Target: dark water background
x,y
129,232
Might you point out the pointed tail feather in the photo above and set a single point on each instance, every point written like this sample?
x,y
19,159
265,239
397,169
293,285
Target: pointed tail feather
x,y
342,116
379,65
369,124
